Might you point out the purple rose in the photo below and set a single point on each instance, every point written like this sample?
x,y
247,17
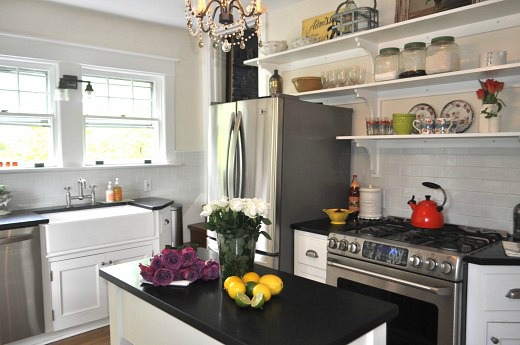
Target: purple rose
x,y
147,272
172,259
199,266
190,273
211,263
178,275
210,273
189,256
156,262
163,277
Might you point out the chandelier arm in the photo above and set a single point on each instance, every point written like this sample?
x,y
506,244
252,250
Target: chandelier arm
x,y
203,13
238,5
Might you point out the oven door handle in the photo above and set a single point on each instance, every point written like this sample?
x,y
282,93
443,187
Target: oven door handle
x,y
441,291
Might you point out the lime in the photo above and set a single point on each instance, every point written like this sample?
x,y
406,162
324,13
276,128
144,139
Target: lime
x,y
263,289
229,280
249,288
235,288
258,300
242,300
274,282
251,277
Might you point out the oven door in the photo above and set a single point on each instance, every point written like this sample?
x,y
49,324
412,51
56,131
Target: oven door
x,y
429,308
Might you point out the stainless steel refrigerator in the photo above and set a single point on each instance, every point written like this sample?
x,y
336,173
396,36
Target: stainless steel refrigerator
x,y
284,151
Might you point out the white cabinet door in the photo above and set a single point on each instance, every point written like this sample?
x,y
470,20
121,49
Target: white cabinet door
x,y
310,255
79,294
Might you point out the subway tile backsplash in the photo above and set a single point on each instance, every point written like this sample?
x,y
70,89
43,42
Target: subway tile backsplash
x,y
482,184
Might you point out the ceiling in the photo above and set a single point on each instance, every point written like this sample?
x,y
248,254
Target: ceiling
x,y
168,12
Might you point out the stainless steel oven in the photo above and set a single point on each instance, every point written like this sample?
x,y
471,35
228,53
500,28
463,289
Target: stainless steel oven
x,y
429,308
422,271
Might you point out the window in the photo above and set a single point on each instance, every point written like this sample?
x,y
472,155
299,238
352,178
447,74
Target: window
x,y
26,113
122,120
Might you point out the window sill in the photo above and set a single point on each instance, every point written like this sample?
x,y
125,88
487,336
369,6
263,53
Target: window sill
x,y
86,168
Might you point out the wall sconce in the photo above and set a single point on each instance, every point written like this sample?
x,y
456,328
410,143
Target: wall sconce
x,y
68,82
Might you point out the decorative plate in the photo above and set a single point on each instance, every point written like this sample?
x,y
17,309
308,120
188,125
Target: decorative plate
x,y
422,111
460,112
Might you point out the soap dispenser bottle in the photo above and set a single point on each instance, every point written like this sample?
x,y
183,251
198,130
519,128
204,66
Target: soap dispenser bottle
x,y
109,193
118,191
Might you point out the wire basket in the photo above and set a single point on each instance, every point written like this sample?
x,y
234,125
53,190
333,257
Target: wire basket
x,y
348,21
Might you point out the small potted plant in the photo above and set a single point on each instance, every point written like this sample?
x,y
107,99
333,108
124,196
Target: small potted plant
x,y
5,197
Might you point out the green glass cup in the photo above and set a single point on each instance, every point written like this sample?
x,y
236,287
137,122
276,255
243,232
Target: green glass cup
x,y
403,123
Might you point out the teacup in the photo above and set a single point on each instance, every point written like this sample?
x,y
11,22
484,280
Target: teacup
x,y
443,125
424,126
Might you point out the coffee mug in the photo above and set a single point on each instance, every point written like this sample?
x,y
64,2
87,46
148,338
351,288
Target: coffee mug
x,y
403,123
424,126
443,125
493,58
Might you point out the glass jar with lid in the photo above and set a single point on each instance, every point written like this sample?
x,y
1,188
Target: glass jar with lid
x,y
387,64
443,55
412,60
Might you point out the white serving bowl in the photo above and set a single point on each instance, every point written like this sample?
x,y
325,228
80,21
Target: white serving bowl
x,y
271,47
303,41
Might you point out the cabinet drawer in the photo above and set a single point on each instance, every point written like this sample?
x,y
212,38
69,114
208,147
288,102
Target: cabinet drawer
x,y
310,272
497,282
311,249
503,333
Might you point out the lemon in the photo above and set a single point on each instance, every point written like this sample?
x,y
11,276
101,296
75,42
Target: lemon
x,y
274,282
251,277
242,300
229,280
235,288
258,300
263,289
249,288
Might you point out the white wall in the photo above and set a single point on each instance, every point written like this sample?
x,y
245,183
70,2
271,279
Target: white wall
x,y
483,185
69,36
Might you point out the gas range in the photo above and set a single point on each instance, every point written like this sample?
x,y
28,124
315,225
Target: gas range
x,y
394,242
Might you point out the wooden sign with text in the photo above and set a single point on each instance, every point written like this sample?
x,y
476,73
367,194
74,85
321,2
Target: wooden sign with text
x,y
317,26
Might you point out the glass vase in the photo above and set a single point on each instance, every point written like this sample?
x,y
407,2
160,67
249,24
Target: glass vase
x,y
236,255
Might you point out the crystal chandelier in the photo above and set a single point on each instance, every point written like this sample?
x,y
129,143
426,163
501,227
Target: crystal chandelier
x,y
226,30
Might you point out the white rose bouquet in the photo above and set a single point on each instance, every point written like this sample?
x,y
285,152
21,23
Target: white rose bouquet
x,y
237,217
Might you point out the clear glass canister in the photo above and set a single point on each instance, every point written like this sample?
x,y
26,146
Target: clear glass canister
x,y
387,64
443,55
412,60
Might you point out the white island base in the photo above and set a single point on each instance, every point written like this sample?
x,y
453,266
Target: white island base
x,y
134,321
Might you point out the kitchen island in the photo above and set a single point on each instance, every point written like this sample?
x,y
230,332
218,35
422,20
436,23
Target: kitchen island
x,y
306,312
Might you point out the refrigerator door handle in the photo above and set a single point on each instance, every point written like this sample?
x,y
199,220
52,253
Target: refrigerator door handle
x,y
230,158
239,177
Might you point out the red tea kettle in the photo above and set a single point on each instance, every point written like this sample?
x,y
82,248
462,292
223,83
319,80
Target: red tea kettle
x,y
427,214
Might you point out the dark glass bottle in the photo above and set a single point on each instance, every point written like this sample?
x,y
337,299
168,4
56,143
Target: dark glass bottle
x,y
275,84
353,196
516,223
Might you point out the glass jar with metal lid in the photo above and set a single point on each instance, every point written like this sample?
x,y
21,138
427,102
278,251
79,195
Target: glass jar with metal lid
x,y
443,55
387,64
412,60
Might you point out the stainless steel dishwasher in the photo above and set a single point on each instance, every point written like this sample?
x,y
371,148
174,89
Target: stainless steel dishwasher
x,y
21,291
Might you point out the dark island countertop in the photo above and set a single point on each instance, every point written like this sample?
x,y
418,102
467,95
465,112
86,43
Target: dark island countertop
x,y
306,312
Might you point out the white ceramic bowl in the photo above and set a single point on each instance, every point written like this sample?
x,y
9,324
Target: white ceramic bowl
x,y
303,41
271,47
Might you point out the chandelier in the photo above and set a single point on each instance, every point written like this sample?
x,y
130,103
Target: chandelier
x,y
226,30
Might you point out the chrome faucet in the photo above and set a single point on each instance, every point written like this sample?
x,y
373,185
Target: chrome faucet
x,y
82,185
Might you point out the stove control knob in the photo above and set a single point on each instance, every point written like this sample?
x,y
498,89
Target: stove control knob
x,y
342,245
416,260
446,267
431,264
333,242
353,247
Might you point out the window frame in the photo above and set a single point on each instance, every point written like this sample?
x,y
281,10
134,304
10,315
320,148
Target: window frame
x,y
158,110
52,109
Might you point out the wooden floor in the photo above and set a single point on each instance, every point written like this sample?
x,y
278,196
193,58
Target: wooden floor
x,y
100,336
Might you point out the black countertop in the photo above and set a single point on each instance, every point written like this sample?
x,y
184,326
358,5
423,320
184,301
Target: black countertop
x,y
321,226
21,219
151,203
306,312
492,255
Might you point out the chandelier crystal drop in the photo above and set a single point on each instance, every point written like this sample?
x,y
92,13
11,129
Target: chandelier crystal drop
x,y
225,22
